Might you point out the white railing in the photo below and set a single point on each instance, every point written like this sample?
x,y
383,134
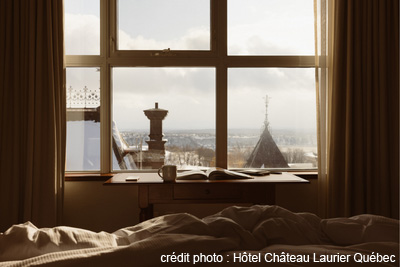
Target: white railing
x,y
83,98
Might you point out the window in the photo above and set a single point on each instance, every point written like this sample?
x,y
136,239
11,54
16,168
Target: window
x,y
196,83
156,25
271,102
83,119
188,96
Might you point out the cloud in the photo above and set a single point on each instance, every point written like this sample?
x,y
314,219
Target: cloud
x,y
78,78
188,94
291,95
82,34
286,110
276,27
194,39
164,80
271,79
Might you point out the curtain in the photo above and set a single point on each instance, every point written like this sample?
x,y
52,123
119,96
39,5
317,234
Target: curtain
x,y
32,112
362,118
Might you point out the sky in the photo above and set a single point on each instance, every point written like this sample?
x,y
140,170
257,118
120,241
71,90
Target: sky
x,y
255,27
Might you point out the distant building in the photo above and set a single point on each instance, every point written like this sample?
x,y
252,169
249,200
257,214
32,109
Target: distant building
x,y
266,153
137,157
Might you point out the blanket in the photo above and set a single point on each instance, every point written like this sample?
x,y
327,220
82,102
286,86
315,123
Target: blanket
x,y
247,236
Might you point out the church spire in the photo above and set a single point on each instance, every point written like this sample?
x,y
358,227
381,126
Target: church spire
x,y
266,153
266,121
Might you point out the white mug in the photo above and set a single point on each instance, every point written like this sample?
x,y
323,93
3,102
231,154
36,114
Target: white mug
x,y
168,173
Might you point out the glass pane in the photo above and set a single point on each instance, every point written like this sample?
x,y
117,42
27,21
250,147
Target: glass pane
x,y
162,24
270,27
82,27
180,131
83,119
272,118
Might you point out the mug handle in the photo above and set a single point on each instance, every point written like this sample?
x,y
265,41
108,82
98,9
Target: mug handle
x,y
159,172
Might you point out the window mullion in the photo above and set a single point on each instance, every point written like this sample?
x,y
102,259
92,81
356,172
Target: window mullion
x,y
105,111
221,117
222,87
105,118
270,61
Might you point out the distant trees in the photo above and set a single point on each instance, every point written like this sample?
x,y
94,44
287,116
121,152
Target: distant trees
x,y
298,155
187,155
206,156
294,155
238,155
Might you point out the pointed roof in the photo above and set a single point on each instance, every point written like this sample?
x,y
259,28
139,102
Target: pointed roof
x,y
266,153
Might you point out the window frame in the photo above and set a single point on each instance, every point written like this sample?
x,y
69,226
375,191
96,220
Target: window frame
x,y
217,57
114,53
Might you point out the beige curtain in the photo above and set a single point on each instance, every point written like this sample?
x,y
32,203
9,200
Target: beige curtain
x,y
32,116
322,67
362,113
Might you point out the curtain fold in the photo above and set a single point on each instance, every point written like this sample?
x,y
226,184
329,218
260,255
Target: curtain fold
x,y
362,174
32,117
322,69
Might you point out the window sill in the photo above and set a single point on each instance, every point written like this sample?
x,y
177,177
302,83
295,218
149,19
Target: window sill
x,y
102,177
92,177
308,175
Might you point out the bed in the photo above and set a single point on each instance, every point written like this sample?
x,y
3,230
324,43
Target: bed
x,y
236,236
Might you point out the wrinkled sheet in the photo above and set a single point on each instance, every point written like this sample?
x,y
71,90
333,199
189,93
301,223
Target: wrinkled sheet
x,y
256,229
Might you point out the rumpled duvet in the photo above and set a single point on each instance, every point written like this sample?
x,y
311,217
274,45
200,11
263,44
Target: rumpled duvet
x,y
242,236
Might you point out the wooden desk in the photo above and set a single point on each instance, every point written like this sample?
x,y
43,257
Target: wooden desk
x,y
152,190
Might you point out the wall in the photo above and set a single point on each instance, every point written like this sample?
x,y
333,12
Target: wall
x,y
90,205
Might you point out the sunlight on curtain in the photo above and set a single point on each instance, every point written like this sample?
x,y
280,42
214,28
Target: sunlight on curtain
x,y
323,61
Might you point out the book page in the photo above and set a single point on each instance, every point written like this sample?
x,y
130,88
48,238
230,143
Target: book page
x,y
223,174
192,175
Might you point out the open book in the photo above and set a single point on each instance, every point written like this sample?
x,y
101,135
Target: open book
x,y
212,174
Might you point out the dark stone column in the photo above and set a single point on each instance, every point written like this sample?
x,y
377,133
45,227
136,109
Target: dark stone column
x,y
156,153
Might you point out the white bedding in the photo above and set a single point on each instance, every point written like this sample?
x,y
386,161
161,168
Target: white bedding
x,y
266,233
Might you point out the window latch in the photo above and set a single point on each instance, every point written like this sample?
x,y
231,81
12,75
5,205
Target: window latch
x,y
164,53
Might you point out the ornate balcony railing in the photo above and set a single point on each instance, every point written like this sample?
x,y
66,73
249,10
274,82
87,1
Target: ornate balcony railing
x,y
83,98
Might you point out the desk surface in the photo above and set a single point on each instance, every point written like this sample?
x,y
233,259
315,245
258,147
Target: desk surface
x,y
153,178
